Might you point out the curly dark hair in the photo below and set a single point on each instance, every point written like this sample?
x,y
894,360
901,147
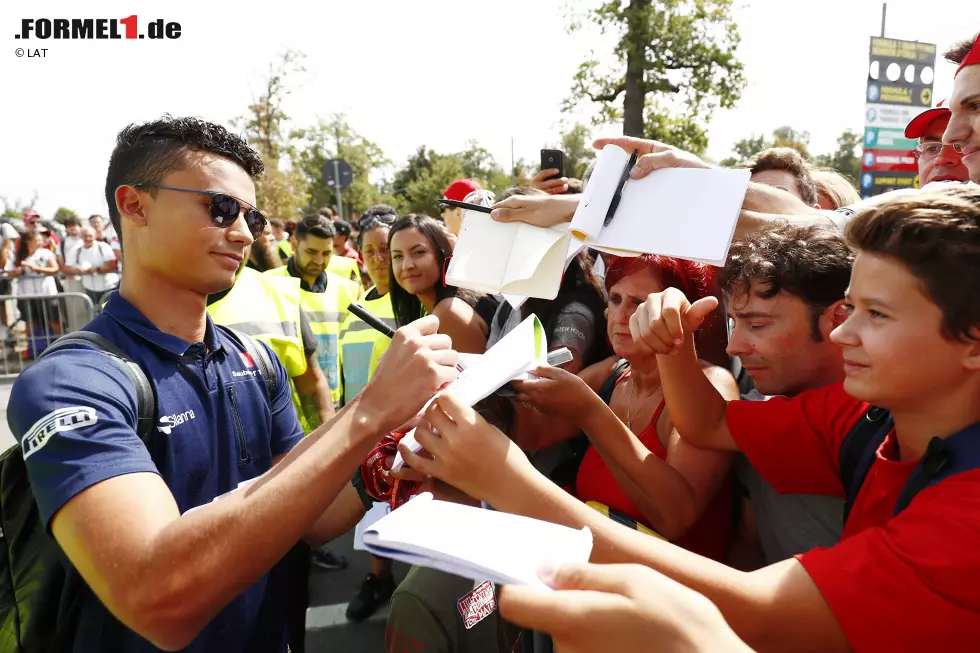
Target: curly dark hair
x,y
146,153
315,225
958,51
810,262
788,159
936,235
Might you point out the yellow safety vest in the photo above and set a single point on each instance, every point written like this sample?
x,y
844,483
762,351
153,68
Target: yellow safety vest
x,y
346,267
327,311
361,346
285,248
268,309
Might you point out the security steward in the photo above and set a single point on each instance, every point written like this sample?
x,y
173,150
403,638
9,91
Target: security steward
x,y
268,308
324,295
361,346
175,557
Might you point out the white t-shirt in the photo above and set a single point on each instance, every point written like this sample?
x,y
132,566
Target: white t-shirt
x,y
843,215
37,283
93,257
68,244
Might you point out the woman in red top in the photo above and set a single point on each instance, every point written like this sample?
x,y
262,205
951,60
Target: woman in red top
x,y
643,469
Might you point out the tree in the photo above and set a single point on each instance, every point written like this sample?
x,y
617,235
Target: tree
x,y
281,191
576,143
846,159
337,139
784,136
62,214
16,208
675,63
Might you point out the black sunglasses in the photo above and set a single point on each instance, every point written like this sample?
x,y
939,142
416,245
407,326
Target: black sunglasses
x,y
224,209
370,220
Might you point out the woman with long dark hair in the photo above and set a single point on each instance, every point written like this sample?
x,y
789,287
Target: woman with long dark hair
x,y
419,248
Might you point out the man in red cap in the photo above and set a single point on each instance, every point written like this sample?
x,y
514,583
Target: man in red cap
x,y
937,162
458,190
963,131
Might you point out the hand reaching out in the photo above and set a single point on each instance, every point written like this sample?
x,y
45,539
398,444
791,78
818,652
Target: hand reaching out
x,y
665,319
654,155
600,608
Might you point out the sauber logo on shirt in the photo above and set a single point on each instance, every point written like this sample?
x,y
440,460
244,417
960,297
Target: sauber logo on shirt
x,y
57,421
248,362
168,422
477,605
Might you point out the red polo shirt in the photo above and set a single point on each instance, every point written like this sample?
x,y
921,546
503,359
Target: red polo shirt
x,y
906,583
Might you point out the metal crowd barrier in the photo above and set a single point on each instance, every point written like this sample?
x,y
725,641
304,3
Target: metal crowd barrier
x,y
29,323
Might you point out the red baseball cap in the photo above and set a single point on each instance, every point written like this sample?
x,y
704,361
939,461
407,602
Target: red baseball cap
x,y
30,215
972,57
918,125
459,189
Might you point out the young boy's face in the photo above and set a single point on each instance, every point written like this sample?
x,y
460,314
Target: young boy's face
x,y
895,354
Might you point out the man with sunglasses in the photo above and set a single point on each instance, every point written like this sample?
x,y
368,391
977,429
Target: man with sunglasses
x,y
176,555
937,162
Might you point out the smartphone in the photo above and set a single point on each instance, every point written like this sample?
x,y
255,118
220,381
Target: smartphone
x,y
553,159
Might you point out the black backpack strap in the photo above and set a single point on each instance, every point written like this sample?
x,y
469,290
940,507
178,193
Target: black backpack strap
x,y
944,457
857,452
146,403
606,391
260,355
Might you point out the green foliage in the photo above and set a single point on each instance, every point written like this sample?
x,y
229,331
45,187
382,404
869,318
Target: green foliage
x,y
576,143
337,139
675,64
846,159
282,191
62,214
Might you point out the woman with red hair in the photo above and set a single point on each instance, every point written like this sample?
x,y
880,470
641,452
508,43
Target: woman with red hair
x,y
637,468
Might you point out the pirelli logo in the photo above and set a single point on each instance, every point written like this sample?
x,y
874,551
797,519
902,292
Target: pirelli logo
x,y
57,421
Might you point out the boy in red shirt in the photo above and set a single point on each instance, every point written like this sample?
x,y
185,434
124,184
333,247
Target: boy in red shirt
x,y
903,578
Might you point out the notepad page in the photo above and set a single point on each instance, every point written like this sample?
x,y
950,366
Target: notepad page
x,y
688,213
537,261
482,252
592,208
521,350
476,543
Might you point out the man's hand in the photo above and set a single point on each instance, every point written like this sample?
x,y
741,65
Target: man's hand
x,y
418,362
466,452
654,155
664,320
539,210
555,186
619,608
556,393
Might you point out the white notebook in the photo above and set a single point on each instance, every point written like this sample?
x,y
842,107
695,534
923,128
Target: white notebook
x,y
512,258
688,213
475,543
520,351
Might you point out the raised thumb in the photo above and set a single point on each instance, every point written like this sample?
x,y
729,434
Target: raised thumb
x,y
698,311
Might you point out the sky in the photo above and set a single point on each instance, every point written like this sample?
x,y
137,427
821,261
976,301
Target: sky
x,y
407,73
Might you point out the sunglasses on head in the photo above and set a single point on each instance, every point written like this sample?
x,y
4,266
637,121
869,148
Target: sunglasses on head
x,y
370,220
224,208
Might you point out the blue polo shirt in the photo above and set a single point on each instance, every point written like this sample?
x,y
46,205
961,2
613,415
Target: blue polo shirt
x,y
74,413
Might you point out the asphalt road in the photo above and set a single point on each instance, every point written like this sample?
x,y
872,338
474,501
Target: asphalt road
x,y
327,629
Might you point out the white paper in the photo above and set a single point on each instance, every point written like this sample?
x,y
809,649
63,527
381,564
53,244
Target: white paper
x,y
520,351
514,258
370,518
592,208
475,543
688,213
